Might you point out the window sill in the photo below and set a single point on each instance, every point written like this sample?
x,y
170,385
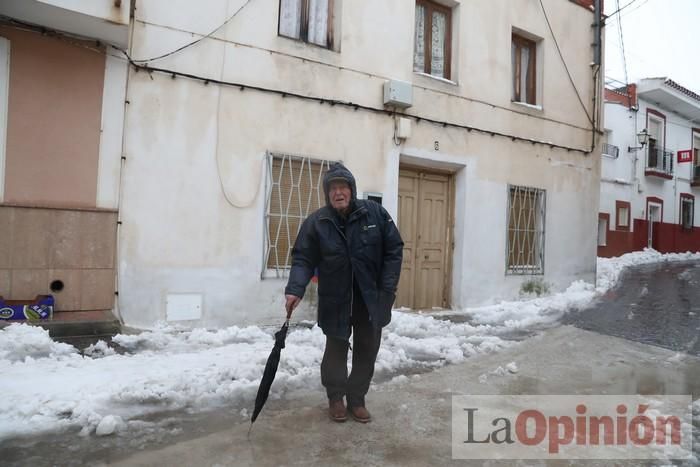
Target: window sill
x,y
436,78
298,43
281,274
525,105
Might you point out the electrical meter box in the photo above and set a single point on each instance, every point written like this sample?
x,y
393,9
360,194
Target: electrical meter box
x,y
398,93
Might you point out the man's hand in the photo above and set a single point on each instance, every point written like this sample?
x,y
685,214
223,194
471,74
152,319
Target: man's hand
x,y
292,302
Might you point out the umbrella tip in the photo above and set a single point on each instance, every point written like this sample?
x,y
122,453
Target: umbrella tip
x,y
249,429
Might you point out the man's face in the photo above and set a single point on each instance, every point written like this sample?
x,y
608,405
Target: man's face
x,y
340,194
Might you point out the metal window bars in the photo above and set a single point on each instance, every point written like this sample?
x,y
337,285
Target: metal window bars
x,y
659,160
611,150
526,234
294,189
687,213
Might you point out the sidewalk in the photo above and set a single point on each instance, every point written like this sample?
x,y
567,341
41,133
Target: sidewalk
x,y
412,419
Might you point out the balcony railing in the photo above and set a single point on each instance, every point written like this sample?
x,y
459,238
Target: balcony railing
x,y
611,150
659,161
696,176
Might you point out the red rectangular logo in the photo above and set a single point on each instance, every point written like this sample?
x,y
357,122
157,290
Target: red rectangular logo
x,y
685,156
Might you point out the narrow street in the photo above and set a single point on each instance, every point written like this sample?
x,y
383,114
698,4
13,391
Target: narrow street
x,y
655,304
640,338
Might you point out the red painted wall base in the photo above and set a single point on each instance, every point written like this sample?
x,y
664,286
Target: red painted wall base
x,y
666,238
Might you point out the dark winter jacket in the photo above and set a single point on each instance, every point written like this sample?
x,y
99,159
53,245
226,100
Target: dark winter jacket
x,y
368,252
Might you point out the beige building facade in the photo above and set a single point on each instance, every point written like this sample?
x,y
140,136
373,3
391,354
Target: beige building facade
x,y
489,172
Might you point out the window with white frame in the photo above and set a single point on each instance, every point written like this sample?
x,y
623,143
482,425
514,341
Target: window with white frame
x,y
622,215
294,190
687,211
610,150
432,39
526,221
307,20
602,231
656,143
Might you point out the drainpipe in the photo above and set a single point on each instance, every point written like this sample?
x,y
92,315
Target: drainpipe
x,y
597,60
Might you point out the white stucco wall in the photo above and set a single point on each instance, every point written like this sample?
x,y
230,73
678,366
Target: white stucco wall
x,y
620,178
678,137
182,234
624,124
112,132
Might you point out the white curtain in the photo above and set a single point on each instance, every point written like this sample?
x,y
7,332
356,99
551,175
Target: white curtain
x,y
318,22
419,48
524,69
437,62
514,64
290,18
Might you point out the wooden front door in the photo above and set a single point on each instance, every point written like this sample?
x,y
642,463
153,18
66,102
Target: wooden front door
x,y
425,221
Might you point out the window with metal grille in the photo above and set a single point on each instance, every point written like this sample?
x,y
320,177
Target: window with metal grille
x,y
526,216
687,211
294,188
602,231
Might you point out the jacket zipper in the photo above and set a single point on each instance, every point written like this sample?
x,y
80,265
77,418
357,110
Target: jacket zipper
x,y
352,270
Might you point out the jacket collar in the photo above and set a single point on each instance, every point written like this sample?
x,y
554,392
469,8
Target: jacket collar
x,y
359,209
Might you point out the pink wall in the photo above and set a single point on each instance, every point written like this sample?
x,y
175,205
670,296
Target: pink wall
x,y
54,120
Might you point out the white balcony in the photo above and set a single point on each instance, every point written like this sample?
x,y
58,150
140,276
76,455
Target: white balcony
x,y
104,20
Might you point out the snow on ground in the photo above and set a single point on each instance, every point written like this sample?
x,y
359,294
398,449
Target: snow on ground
x,y
49,386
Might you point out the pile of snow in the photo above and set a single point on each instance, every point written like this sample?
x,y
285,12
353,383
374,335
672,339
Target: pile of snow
x,y
47,386
19,343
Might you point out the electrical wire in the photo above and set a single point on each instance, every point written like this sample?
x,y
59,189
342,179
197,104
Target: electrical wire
x,y
352,105
561,56
229,200
196,41
620,9
624,58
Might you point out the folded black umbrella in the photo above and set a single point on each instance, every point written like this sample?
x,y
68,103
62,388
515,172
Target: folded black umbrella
x,y
270,371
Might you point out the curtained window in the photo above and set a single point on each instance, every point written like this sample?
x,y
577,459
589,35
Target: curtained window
x,y
433,32
524,62
307,20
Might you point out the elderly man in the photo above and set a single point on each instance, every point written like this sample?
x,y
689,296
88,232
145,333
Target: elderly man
x,y
358,251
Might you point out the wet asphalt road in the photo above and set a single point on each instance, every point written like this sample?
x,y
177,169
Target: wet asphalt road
x,y
655,304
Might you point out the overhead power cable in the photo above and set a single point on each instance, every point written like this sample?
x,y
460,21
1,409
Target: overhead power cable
x,y
352,105
551,31
196,41
624,57
620,9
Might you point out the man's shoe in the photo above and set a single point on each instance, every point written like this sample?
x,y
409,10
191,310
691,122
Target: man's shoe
x,y
337,411
360,414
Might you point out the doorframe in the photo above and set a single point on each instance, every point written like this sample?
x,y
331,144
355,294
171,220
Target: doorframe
x,y
449,240
653,201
